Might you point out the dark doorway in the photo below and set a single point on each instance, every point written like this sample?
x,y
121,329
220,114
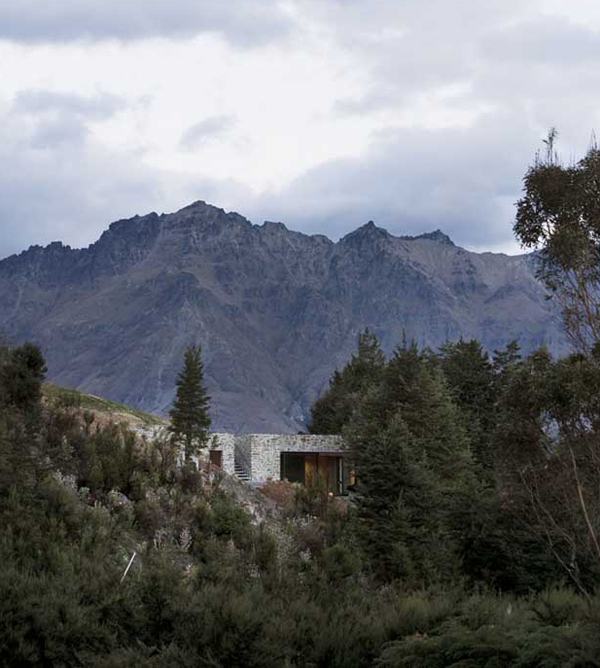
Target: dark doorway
x,y
216,458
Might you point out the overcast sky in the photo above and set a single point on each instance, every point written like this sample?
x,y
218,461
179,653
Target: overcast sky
x,y
418,114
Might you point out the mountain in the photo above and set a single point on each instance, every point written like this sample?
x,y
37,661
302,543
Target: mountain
x,y
275,310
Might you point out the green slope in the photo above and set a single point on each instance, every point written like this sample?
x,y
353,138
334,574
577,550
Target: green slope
x,y
63,396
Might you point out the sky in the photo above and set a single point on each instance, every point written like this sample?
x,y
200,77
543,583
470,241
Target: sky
x,y
322,114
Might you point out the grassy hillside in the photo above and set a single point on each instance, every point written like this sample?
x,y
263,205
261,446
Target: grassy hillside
x,y
66,397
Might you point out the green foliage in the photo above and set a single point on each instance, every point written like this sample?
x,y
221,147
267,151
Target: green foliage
x,y
521,432
62,397
347,388
340,562
23,372
487,630
470,377
446,448
559,215
398,575
414,470
190,421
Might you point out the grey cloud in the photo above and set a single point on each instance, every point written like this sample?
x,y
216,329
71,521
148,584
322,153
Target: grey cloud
x,y
528,74
63,186
206,130
495,50
243,22
61,118
40,101
411,47
549,41
462,181
59,131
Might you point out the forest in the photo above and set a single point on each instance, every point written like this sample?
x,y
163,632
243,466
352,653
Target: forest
x,y
470,537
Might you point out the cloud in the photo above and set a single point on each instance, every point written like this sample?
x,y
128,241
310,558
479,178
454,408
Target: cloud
x,y
417,114
467,91
205,131
547,41
57,132
59,183
412,47
463,181
242,22
43,101
501,52
57,118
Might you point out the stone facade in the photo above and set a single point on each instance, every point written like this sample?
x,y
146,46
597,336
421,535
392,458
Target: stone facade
x,y
258,456
225,443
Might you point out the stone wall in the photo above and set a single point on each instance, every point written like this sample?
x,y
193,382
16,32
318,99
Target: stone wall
x,y
226,444
267,449
259,455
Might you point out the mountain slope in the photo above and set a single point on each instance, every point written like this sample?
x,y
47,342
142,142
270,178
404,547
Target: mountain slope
x,y
103,410
276,311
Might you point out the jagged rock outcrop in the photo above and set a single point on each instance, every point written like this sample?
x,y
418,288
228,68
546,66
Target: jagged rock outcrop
x,y
275,310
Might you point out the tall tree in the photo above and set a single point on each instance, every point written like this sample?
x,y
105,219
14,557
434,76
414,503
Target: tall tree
x,y
190,420
414,470
346,388
470,376
559,215
523,425
23,370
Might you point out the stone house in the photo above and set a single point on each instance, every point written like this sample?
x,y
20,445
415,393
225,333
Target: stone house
x,y
299,458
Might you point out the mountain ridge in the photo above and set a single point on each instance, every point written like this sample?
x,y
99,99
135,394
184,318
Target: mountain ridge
x,y
118,225
275,310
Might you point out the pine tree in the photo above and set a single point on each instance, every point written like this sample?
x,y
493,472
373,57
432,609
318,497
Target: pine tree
x,y
506,359
346,388
470,377
22,372
414,469
190,421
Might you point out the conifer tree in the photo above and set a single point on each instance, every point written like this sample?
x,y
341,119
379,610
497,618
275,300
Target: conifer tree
x,y
506,359
470,377
190,421
414,469
346,388
23,371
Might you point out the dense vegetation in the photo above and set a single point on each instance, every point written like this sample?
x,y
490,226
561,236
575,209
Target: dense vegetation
x,y
465,543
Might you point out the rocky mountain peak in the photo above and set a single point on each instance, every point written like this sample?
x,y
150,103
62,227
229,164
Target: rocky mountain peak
x,y
198,205
200,216
274,227
437,235
367,232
